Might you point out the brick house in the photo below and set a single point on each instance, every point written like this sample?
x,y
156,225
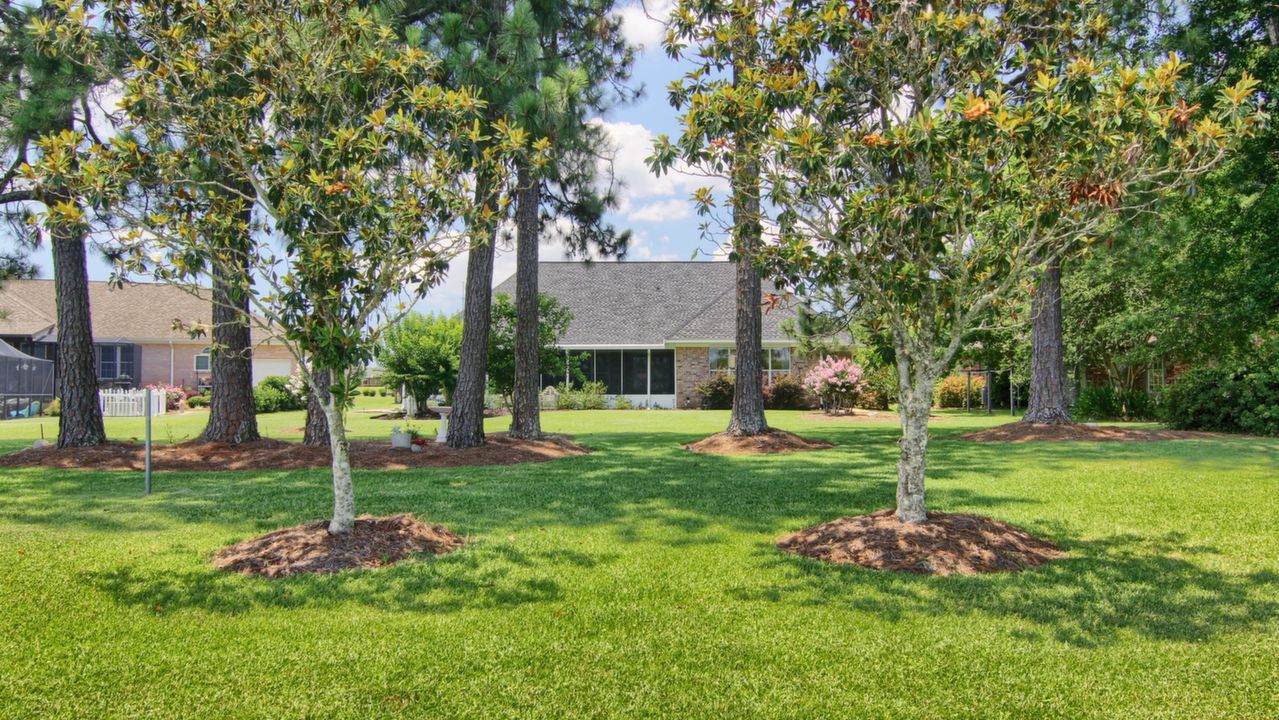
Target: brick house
x,y
653,331
135,341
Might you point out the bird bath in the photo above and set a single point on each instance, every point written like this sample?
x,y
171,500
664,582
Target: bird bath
x,y
443,435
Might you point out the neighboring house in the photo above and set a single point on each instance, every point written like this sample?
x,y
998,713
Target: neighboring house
x,y
653,331
134,337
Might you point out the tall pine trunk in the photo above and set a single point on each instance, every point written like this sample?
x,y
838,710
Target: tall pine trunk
x,y
80,422
1049,402
232,415
316,433
343,488
916,401
466,426
526,421
748,390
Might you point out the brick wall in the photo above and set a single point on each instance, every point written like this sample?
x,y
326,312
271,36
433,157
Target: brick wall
x,y
691,370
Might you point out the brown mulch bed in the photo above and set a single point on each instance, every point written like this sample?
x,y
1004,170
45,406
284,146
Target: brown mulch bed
x,y
948,544
773,441
373,542
1034,432
280,455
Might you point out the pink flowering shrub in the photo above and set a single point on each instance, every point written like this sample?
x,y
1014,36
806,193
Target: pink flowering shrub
x,y
173,395
837,381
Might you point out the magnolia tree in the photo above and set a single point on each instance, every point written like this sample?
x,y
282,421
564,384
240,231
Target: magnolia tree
x,y
918,174
353,159
836,381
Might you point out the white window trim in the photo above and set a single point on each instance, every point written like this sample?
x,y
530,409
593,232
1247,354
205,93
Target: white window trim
x,y
195,362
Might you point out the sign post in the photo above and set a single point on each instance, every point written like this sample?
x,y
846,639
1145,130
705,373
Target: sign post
x,y
146,483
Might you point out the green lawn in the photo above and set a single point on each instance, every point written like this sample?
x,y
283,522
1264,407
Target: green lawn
x,y
640,581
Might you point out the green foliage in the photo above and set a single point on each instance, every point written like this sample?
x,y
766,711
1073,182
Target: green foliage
x,y
553,322
879,385
202,401
716,393
787,393
1104,402
273,394
590,396
1226,398
422,352
950,392
54,408
622,403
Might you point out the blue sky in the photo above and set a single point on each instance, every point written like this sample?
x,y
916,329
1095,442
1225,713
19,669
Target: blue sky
x,y
656,210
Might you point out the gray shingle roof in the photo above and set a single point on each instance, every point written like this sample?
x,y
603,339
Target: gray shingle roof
x,y
648,303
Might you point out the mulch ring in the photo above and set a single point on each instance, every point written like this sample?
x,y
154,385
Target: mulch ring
x,y
772,441
280,455
948,544
373,542
1017,432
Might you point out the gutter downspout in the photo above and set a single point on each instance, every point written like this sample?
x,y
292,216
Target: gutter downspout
x,y
170,362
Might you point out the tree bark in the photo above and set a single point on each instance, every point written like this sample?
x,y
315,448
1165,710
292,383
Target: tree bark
x,y
1048,398
343,488
466,426
316,433
526,421
80,422
916,400
232,415
748,390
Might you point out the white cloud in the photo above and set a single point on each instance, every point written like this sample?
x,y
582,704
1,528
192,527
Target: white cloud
x,y
631,144
644,23
660,211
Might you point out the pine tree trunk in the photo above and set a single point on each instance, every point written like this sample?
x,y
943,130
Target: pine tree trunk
x,y
748,390
466,426
1048,398
526,421
232,415
316,433
80,422
343,488
916,403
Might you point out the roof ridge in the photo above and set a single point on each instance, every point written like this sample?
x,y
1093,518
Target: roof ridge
x,y
18,299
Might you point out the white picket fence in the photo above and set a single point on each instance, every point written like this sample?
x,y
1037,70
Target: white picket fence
x,y
130,403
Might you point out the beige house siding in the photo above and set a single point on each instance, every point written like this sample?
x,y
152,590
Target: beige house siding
x,y
692,368
175,364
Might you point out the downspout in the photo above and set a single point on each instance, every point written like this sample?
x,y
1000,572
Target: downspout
x,y
170,362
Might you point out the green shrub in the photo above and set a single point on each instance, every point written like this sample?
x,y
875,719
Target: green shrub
x,y
368,392
588,397
1102,402
382,392
274,395
879,386
199,401
717,392
949,393
622,404
787,393
1243,398
54,408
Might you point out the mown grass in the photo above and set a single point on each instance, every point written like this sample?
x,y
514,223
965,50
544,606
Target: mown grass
x,y
640,581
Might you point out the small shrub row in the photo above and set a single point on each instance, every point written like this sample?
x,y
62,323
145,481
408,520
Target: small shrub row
x,y
950,392
588,397
785,393
200,401
1102,402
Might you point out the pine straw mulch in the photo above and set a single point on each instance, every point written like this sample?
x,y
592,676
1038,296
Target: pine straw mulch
x,y
948,544
280,455
772,441
1017,432
373,542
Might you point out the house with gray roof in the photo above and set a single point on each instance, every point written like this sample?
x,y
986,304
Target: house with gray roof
x,y
653,331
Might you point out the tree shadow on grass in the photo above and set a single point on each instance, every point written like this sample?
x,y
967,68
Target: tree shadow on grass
x,y
476,577
1100,591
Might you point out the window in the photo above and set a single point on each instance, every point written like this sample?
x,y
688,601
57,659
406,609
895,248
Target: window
x,y
663,372
115,362
608,370
202,360
635,372
722,359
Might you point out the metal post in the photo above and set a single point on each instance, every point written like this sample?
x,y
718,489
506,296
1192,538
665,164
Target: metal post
x,y
1012,395
146,483
968,389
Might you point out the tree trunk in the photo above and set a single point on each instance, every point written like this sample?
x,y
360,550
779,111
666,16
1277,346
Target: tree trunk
x,y
316,433
343,489
232,415
916,400
466,426
80,422
1048,399
748,390
526,421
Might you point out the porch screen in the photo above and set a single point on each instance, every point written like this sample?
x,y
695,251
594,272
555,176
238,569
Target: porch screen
x,y
608,370
663,371
635,372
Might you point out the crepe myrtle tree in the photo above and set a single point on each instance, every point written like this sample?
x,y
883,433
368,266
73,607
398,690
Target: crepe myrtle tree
x,y
359,164
920,176
723,119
